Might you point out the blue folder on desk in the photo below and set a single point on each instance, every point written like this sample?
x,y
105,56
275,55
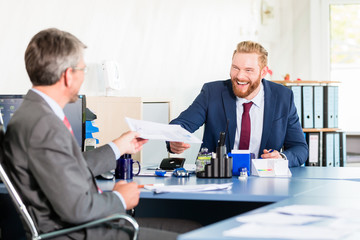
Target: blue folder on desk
x,y
318,107
307,104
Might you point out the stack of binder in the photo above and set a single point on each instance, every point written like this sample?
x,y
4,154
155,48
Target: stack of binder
x,y
317,107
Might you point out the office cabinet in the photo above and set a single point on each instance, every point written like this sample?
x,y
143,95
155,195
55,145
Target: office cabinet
x,y
319,119
111,113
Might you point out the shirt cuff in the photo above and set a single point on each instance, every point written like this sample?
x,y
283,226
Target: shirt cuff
x,y
115,150
121,198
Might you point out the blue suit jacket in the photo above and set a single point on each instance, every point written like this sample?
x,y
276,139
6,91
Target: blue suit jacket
x,y
216,104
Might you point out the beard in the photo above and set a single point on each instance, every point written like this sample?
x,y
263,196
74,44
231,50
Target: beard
x,y
251,88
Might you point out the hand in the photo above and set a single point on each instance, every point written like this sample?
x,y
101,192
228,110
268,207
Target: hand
x,y
129,142
129,191
271,153
178,147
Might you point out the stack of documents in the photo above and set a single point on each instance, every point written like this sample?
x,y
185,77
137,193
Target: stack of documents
x,y
299,222
189,188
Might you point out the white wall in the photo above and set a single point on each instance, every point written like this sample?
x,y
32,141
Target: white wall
x,y
165,48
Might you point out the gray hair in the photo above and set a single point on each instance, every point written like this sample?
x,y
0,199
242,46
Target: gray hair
x,y
49,53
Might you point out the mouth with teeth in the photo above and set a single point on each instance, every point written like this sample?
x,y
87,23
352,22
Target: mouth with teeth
x,y
242,83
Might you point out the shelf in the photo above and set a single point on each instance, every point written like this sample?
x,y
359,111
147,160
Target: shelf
x,y
303,82
307,130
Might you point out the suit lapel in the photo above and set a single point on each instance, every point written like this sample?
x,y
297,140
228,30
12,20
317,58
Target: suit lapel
x,y
229,101
269,110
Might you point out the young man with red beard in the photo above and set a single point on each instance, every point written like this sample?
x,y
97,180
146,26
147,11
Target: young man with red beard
x,y
261,114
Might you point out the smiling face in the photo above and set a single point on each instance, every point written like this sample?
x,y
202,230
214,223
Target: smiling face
x,y
246,74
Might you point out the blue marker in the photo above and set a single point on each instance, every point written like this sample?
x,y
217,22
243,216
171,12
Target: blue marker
x,y
271,150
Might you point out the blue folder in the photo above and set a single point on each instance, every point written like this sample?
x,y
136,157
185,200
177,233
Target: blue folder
x,y
336,105
318,107
328,149
307,107
336,149
297,100
329,106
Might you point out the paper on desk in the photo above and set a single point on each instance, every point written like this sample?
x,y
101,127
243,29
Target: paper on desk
x,y
277,218
167,132
253,230
189,188
321,211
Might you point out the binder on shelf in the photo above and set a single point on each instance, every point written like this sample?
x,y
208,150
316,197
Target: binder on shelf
x,y
336,105
307,107
313,141
336,149
297,100
328,149
342,149
318,107
329,106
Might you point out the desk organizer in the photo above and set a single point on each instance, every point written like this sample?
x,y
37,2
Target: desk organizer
x,y
220,166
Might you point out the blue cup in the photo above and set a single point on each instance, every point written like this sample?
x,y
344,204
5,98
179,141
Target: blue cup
x,y
124,168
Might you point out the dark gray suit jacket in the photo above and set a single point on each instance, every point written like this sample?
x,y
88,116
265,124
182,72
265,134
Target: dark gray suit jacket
x,y
54,178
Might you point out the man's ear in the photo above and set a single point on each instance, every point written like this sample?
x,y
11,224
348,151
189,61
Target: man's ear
x,y
68,77
264,71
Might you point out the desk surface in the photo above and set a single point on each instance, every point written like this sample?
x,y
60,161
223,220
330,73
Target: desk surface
x,y
334,173
254,189
333,193
308,185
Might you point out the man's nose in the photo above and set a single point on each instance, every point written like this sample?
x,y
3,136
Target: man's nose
x,y
241,74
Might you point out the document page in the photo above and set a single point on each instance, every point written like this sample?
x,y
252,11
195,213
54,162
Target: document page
x,y
152,130
299,222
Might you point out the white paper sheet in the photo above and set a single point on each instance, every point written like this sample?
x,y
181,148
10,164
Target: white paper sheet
x,y
167,132
299,222
323,211
277,218
190,188
253,230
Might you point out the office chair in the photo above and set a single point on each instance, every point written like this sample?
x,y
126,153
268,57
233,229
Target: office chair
x,y
21,208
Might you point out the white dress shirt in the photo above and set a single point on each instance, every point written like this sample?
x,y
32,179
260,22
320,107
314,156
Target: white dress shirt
x,y
256,118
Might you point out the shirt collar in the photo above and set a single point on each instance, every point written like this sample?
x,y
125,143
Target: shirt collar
x,y
257,100
53,105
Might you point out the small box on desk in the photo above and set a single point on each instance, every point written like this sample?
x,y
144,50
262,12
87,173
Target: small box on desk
x,y
241,159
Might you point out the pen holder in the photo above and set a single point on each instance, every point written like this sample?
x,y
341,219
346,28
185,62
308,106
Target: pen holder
x,y
220,166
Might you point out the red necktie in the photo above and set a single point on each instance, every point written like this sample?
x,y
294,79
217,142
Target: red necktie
x,y
67,124
245,127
